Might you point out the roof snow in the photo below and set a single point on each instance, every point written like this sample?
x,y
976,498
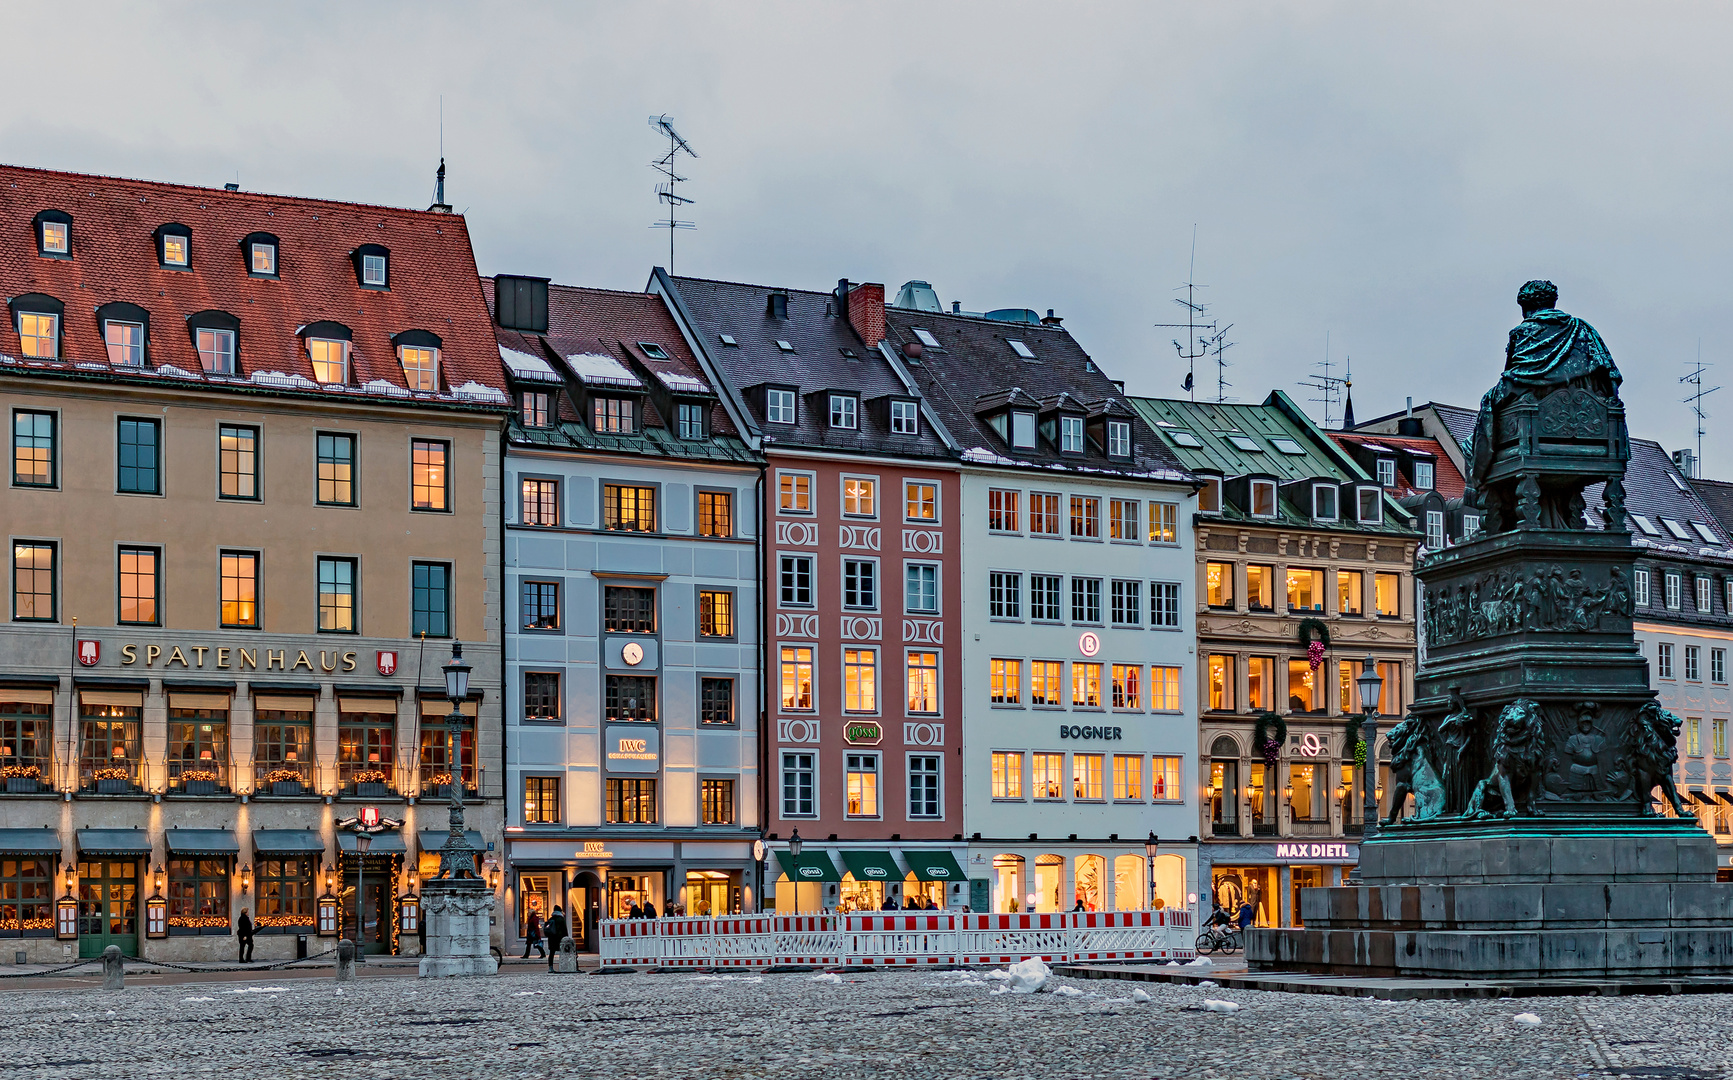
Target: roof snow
x,y
674,380
600,368
525,366
478,392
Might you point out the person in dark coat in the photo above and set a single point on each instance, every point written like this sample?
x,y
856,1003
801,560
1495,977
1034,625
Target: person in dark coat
x,y
555,932
648,911
244,931
533,936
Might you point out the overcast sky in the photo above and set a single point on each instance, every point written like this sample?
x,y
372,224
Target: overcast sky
x,y
1386,175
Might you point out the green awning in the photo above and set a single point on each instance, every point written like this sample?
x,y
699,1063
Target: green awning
x,y
384,843
121,842
201,842
811,866
872,866
287,842
933,865
42,841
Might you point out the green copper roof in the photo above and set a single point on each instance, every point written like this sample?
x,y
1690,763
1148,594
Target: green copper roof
x,y
648,442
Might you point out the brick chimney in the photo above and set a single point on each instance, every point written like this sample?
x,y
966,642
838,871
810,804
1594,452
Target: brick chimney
x,y
866,312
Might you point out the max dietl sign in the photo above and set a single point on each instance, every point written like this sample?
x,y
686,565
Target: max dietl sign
x,y
90,652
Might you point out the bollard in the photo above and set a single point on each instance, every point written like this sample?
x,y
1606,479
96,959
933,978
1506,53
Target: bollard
x,y
345,961
566,960
113,969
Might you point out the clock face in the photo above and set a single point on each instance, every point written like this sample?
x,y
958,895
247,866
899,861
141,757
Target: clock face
x,y
758,851
633,653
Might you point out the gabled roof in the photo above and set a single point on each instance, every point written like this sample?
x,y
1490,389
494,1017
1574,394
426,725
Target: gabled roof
x,y
1655,489
1445,479
114,258
1456,419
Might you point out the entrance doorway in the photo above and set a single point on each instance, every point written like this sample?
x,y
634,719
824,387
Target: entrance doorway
x,y
535,897
377,935
625,890
107,907
1302,877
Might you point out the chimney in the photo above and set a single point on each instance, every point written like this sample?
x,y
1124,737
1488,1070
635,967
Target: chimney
x,y
231,187
1051,319
776,304
866,312
956,307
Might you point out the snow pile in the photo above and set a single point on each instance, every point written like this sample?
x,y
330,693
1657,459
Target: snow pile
x,y
478,392
601,368
383,386
1209,982
1212,1005
1138,993
525,366
1029,976
675,380
283,380
175,372
830,977
1200,962
1527,1020
1068,991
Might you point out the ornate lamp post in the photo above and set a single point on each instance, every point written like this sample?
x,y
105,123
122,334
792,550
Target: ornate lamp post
x,y
363,841
1370,684
1151,848
794,846
456,858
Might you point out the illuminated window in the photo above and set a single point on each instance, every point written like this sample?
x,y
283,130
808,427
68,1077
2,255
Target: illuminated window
x,y
631,802
140,586
715,613
1164,689
796,678
715,513
1049,775
1046,678
125,342
541,502
1122,519
628,508
429,477
1043,514
56,237
1163,523
923,678
1219,578
39,335
1221,682
1085,685
536,409
859,496
717,799
1260,683
860,680
541,800
861,775
1002,510
1126,689
240,584
920,501
1305,590
1086,776
237,462
330,360
1350,591
1387,588
794,493
1260,593
613,416
1305,691
1085,518
420,367
1007,774
264,258
1004,679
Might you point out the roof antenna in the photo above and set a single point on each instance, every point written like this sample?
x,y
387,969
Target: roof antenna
x,y
1197,345
1331,389
665,190
1695,379
440,206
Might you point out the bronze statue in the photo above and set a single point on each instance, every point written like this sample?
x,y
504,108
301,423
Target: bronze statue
x,y
1455,733
1654,751
1518,752
1412,773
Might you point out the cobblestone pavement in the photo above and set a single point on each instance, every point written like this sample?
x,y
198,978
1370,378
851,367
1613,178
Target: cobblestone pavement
x,y
788,1026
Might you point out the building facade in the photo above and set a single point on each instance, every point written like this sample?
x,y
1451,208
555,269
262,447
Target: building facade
x,y
632,649
1303,567
1079,701
253,505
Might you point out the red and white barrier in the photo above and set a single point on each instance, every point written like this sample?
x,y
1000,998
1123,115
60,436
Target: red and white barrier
x,y
927,940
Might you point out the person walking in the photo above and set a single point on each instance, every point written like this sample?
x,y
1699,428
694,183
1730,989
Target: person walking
x,y
648,911
555,932
533,936
244,931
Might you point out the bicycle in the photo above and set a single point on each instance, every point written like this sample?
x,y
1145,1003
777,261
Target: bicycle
x,y
1219,939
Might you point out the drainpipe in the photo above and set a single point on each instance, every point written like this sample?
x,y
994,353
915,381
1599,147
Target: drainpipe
x,y
765,780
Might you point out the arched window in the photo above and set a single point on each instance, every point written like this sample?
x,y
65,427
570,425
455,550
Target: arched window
x,y
1010,880
1224,786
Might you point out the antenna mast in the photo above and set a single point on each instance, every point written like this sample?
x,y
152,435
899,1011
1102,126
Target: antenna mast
x,y
1694,379
1197,345
1328,387
664,124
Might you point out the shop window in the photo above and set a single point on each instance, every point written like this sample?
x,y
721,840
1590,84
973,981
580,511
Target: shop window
x,y
1224,793
198,748
628,610
715,513
717,800
1264,806
366,743
715,701
631,802
441,741
1009,880
541,800
198,896
1390,693
630,698
109,744
1090,884
429,475
1306,787
1043,514
237,462
1049,880
336,470
1046,679
26,731
282,747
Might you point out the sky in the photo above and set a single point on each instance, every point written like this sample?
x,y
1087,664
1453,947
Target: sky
x,y
1371,182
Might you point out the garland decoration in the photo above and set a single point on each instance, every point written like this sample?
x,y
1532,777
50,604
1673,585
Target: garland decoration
x,y
1353,746
1315,636
1270,748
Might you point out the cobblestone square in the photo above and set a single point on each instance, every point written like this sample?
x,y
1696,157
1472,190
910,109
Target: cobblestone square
x,y
908,1024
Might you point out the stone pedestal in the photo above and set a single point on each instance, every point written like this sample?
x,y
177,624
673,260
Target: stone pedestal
x,y
457,911
566,957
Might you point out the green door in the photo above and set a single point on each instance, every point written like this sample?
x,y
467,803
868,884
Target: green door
x,y
107,906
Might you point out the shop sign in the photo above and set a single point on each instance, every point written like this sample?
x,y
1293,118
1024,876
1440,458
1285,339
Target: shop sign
x,y
387,661
633,749
1311,745
863,732
809,871
941,872
1315,851
89,653
595,849
1089,644
226,657
1075,731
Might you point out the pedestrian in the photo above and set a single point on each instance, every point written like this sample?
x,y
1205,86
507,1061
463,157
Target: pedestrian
x,y
634,912
1247,915
890,903
244,931
556,932
533,936
649,911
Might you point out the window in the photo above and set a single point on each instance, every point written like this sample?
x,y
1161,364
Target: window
x,y
1693,670
428,474
1718,737
541,502
1350,591
715,513
1122,519
237,462
536,409
630,698
1166,776
859,497
140,586
140,441
1390,691
1718,665
336,468
430,612
1004,680
921,588
689,421
286,887
541,800
1043,514
1324,502
1672,590
56,237
798,775
1118,439
33,449
794,493
924,798
1664,659
1020,349
904,418
631,802
198,889
1219,579
1305,590
1044,598
420,367
1387,588
1260,588
373,270
860,584
1002,510
240,585
920,501
860,680
1007,774
1085,685
1640,583
861,776
1164,605
1126,689
796,581
1004,595
125,342
1674,527
785,346
1645,524
717,800
1163,523
1693,737
613,416
1244,442
1085,600
216,351
1086,776
1260,683
1221,682
927,338
1470,525
1423,475
1387,471
1046,679
843,411
1435,529
1071,434
1023,430
715,701
1164,689
1209,496
628,609
779,406
796,678
1127,776
715,613
1305,689
627,508
330,360
541,605
39,334
1085,518
1727,594
337,596
1705,594
1049,775
1127,599
1371,506
1263,498
542,698
923,672
263,258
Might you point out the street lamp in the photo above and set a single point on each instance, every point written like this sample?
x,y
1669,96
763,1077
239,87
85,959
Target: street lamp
x,y
1151,848
363,841
1370,684
794,846
457,690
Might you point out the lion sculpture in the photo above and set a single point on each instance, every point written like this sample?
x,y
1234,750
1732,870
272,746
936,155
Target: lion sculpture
x,y
1654,752
1518,751
1412,773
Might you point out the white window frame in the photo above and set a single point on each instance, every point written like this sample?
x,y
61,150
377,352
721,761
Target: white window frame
x,y
1435,529
1163,522
1705,593
177,240
1425,474
781,406
872,483
52,337
1005,595
876,583
810,770
1335,502
1071,434
938,588
1386,471
782,570
1673,586
871,653
689,416
228,355
878,772
938,776
269,251
1361,494
426,379
1693,663
1640,586
1118,439
1664,659
905,418
109,326
844,412
1717,665
343,369
1022,430
370,264
65,245
1269,487
1470,525
938,655
795,474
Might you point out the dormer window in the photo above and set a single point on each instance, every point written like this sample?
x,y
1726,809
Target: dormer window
x,y
1209,497
536,408
54,234
653,350
1118,439
37,319
1023,430
174,244
690,420
373,270
1386,472
372,266
215,334
1423,475
1263,498
1071,434
260,250
844,411
613,416
1324,502
418,352
905,418
1372,504
330,360
779,406
123,332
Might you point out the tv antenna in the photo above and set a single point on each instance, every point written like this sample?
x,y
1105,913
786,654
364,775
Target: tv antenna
x,y
664,124
1197,345
1330,388
1694,379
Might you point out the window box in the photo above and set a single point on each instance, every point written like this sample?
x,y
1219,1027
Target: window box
x,y
288,787
197,787
23,785
113,785
372,789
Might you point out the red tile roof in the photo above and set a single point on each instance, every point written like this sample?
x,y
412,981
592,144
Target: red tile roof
x,y
1445,479
433,282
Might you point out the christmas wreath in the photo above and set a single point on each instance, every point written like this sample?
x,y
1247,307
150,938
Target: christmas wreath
x,y
1315,636
1270,748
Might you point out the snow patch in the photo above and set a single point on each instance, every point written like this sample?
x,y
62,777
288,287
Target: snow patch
x,y
1068,991
384,386
282,379
600,368
178,373
261,990
675,380
1527,1020
1029,976
525,366
199,999
1212,1005
830,977
478,392
1138,993
1200,962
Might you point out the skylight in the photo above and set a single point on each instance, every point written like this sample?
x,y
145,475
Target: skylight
x,y
927,338
1287,446
653,350
1677,482
1019,348
1245,442
1704,531
784,346
728,340
1645,524
1675,528
1186,439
